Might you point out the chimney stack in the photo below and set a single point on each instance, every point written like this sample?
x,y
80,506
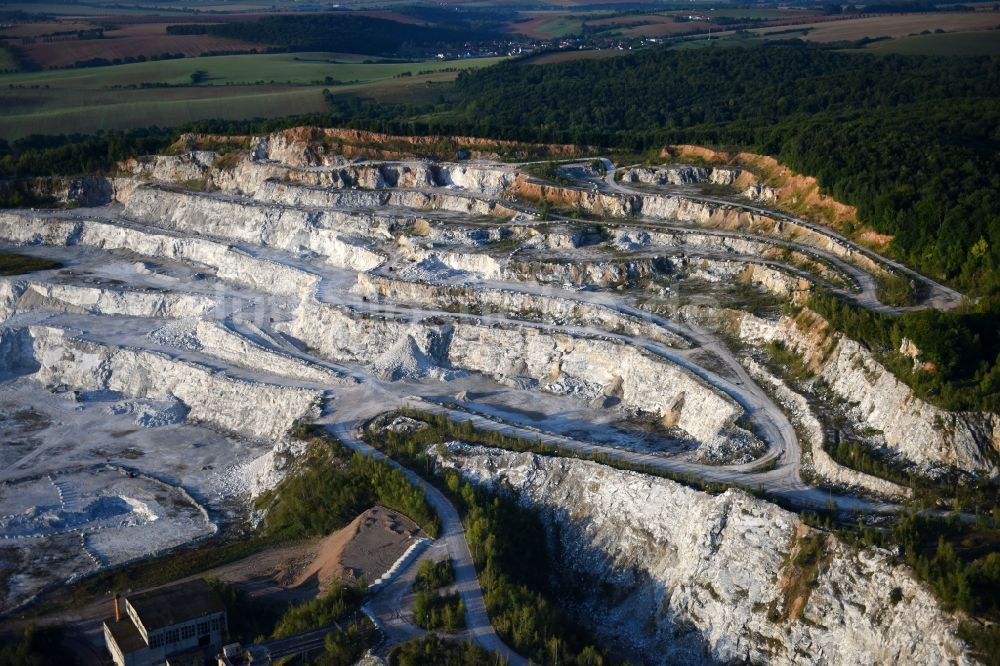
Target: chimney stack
x,y
118,610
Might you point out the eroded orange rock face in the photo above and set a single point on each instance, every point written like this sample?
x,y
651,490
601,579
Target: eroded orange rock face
x,y
794,190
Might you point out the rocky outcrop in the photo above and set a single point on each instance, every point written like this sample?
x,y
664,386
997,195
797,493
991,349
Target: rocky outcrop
x,y
761,192
230,264
252,408
912,428
780,282
289,229
219,341
344,335
631,239
682,175
589,272
24,295
431,200
431,261
594,369
187,167
312,145
814,454
532,307
17,356
667,574
605,371
704,214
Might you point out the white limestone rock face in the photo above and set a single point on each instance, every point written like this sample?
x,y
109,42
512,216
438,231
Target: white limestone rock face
x,y
551,309
713,216
487,181
252,408
24,295
916,430
761,192
556,363
280,227
825,466
594,273
218,340
681,175
591,368
668,574
170,168
230,264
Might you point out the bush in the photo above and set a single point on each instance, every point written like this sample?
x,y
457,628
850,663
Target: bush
x,y
432,610
433,651
337,604
434,575
331,486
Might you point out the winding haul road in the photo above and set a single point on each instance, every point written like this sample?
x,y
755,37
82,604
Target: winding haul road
x,y
941,297
477,623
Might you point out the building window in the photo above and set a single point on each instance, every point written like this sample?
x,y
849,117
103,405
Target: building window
x,y
173,636
156,640
203,627
187,631
215,624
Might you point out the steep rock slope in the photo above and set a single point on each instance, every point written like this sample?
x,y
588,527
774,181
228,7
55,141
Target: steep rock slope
x,y
231,264
916,430
272,226
605,371
252,408
673,575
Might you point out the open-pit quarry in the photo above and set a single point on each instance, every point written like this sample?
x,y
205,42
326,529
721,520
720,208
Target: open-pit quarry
x,y
203,305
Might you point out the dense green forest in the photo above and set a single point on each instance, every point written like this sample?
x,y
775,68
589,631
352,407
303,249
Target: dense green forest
x,y
339,602
433,609
963,349
340,33
431,650
331,486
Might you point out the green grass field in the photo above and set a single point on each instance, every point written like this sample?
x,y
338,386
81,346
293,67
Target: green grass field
x,y
748,13
550,26
7,61
85,100
295,68
986,43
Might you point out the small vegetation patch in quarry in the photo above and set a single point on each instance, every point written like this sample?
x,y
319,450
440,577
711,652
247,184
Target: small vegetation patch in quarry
x,y
215,319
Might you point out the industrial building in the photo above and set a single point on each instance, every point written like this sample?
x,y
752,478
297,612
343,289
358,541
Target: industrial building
x,y
177,625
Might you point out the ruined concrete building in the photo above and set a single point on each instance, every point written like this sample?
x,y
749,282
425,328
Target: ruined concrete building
x,y
178,625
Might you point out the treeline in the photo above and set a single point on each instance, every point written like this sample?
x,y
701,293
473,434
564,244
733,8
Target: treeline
x,y
72,154
431,608
430,650
959,352
341,33
502,536
331,486
40,155
338,603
